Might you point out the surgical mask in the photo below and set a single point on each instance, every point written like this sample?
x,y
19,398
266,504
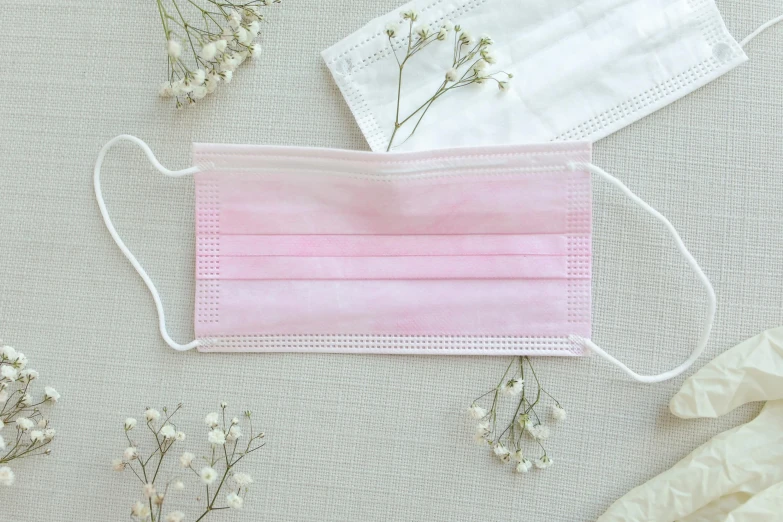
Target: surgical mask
x,y
582,69
482,251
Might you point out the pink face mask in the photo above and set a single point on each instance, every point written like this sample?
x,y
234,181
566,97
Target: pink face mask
x,y
482,251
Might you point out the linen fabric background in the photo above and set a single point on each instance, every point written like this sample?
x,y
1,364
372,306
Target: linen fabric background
x,y
351,437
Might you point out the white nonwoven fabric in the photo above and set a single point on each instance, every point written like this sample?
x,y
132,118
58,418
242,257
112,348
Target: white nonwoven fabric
x,y
582,69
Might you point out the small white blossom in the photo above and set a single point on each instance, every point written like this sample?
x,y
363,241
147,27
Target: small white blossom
x,y
422,32
148,490
21,360
448,25
212,419
49,434
480,65
410,14
6,476
51,394
199,77
175,516
24,424
2,443
480,439
118,465
502,452
489,56
233,433
130,423
217,436
26,400
558,412
477,412
244,37
178,485
152,415
209,51
504,85
180,436
8,353
130,453
524,465
224,405
513,387
174,49
255,51
391,29
452,75
36,436
212,82
242,479
8,372
234,19
186,459
208,475
544,462
221,45
234,421
227,76
234,501
538,432
2,425
482,428
28,375
168,431
254,28
42,423
140,510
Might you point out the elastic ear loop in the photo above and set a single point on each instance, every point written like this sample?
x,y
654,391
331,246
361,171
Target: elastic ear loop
x,y
124,249
705,336
760,30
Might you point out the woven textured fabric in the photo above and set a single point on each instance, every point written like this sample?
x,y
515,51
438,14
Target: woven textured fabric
x,y
351,437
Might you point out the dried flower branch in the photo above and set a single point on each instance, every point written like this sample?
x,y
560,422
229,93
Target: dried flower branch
x,y
222,38
216,474
471,58
525,424
19,409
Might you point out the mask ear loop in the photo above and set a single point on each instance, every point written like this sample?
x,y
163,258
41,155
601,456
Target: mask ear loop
x,y
124,249
760,30
705,336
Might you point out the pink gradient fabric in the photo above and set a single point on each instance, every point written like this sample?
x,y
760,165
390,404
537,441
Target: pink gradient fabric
x,y
484,250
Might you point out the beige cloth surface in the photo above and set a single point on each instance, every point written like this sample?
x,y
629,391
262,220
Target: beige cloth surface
x,y
352,437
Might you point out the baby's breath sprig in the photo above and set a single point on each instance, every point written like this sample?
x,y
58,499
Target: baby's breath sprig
x,y
220,40
526,424
471,58
217,473
18,409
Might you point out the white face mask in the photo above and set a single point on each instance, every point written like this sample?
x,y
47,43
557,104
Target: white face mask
x,y
582,69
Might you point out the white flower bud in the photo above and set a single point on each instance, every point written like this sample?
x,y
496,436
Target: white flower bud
x,y
186,459
391,29
174,49
209,51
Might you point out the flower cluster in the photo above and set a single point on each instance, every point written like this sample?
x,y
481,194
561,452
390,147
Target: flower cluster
x,y
20,412
471,60
525,424
225,488
224,36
